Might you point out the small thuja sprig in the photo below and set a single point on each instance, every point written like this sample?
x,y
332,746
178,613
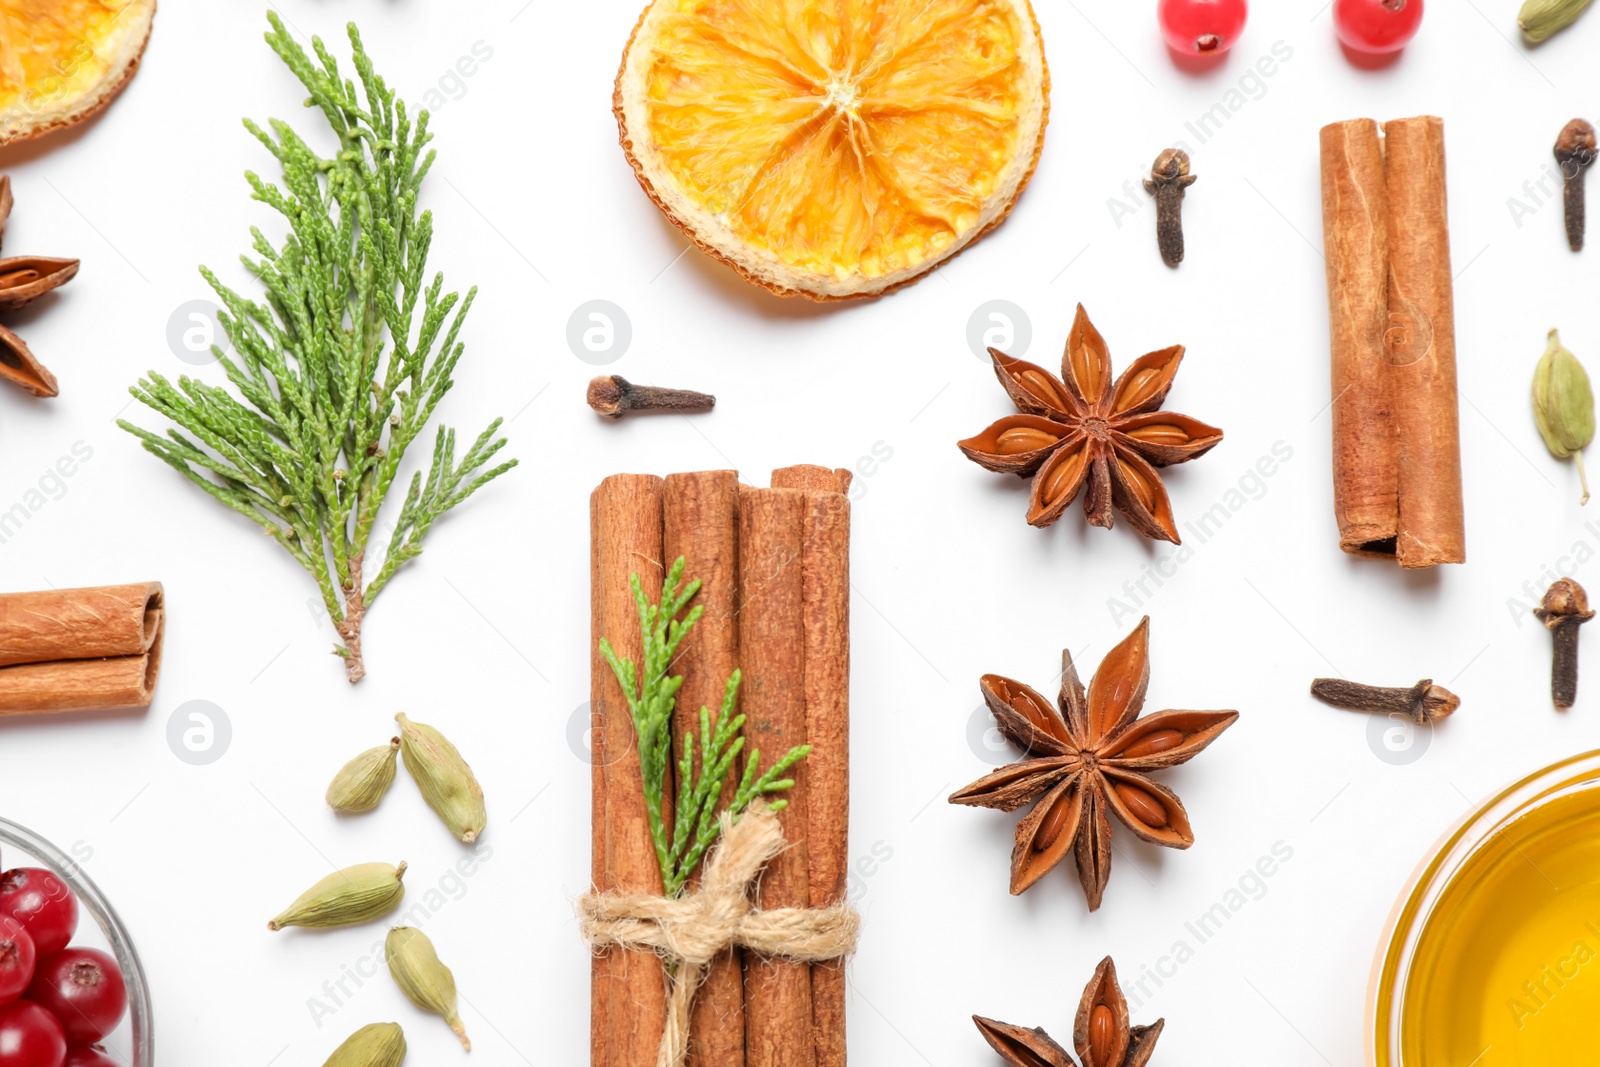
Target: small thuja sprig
x,y
337,372
651,699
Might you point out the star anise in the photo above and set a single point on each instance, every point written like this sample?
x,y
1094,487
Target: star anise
x,y
1089,759
1083,429
1101,1032
22,279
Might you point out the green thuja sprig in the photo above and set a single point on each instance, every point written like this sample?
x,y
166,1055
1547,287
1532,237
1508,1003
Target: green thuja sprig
x,y
651,699
337,371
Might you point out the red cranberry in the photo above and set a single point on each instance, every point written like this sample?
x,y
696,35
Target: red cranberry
x,y
30,1036
17,959
42,903
83,987
88,1056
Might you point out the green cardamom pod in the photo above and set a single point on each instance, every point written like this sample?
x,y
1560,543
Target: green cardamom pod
x,y
445,779
361,783
374,1045
422,978
1541,19
1563,405
354,895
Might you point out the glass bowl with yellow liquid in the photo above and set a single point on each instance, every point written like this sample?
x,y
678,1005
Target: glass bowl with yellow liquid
x,y
1492,956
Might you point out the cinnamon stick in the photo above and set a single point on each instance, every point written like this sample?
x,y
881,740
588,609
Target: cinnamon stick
x,y
1432,521
56,624
701,521
825,569
1355,224
810,477
778,1002
80,685
94,649
627,986
1396,443
599,870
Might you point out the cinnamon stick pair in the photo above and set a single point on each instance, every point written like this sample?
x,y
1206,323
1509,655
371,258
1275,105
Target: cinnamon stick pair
x,y
90,649
1396,439
774,569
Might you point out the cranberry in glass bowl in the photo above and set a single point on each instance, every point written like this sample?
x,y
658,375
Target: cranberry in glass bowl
x,y
43,892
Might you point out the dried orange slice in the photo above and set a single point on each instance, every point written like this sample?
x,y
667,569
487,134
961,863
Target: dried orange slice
x,y
834,148
63,60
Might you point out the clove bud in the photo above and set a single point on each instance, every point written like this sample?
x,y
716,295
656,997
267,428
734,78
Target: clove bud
x,y
1422,703
1169,177
613,396
1575,152
1565,608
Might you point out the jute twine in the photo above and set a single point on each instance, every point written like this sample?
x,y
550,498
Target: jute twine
x,y
689,931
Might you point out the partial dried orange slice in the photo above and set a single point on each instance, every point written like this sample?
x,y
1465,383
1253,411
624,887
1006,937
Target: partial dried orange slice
x,y
63,60
834,148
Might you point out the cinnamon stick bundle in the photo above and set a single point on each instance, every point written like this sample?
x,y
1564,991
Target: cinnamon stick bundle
x,y
627,986
1396,437
93,649
774,571
701,519
825,580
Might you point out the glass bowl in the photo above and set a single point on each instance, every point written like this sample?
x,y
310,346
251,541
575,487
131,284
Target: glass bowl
x,y
42,853
1555,789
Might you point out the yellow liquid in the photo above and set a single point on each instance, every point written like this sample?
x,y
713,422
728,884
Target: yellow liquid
x,y
1507,970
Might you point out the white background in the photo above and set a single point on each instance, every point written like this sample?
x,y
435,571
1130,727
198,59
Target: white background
x,y
487,635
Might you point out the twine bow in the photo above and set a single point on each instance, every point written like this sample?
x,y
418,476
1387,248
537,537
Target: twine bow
x,y
690,931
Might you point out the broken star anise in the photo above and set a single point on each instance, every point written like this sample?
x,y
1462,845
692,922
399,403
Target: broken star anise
x,y
1101,1033
23,278
1088,759
1083,429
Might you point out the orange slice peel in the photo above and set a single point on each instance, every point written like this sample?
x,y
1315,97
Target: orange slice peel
x,y
61,61
834,148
